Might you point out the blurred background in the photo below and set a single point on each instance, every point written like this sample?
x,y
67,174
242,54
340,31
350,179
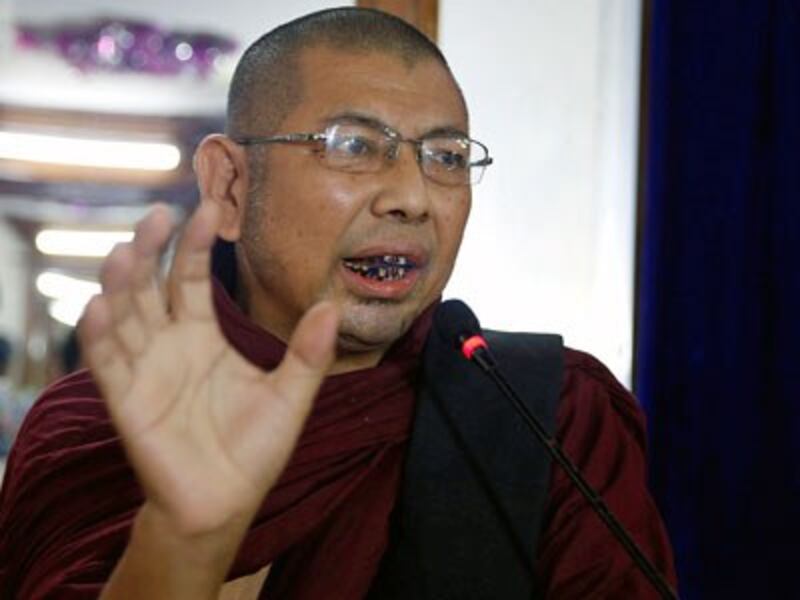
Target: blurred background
x,y
643,203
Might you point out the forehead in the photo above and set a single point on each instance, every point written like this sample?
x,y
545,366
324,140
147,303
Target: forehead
x,y
411,97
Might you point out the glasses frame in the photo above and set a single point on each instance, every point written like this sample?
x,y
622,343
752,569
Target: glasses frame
x,y
392,135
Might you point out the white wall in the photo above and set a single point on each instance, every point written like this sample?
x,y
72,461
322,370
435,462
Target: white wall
x,y
13,283
552,87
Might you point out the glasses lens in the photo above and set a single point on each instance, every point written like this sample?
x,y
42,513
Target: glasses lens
x,y
355,148
452,160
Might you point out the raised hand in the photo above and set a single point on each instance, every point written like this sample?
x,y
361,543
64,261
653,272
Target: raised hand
x,y
207,432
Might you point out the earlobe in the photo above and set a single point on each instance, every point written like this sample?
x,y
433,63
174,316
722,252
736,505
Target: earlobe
x,y
221,168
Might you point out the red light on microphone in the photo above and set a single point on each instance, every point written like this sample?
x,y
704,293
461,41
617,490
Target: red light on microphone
x,y
472,344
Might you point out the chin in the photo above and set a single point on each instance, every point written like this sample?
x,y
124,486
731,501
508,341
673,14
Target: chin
x,y
374,325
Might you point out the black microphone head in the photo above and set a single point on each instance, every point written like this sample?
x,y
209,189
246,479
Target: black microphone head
x,y
455,322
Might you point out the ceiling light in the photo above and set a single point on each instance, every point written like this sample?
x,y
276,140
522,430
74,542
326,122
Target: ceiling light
x,y
70,295
85,152
58,285
66,310
75,242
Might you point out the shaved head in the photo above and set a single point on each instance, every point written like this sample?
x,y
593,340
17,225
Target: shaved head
x,y
267,82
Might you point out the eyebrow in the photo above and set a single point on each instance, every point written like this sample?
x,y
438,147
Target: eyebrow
x,y
364,119
355,117
445,132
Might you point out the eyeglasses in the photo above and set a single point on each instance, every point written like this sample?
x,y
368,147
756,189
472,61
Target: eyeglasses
x,y
354,147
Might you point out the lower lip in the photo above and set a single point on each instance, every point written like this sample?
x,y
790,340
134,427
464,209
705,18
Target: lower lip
x,y
374,288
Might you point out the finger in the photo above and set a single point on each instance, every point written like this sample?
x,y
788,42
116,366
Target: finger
x,y
308,357
153,231
152,234
189,281
116,269
116,278
101,350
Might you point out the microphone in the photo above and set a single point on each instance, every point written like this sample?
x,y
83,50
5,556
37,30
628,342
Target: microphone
x,y
457,324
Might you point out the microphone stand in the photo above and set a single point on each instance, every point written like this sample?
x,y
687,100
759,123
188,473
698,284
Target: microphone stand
x,y
485,360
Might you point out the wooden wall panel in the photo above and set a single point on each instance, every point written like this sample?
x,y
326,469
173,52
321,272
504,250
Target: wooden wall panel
x,y
422,14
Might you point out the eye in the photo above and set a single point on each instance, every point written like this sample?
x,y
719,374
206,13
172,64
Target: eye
x,y
452,160
353,145
447,154
348,142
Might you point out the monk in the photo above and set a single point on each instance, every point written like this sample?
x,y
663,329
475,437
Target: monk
x,y
245,436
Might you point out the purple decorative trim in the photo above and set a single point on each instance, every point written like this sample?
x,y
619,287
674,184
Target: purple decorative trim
x,y
128,46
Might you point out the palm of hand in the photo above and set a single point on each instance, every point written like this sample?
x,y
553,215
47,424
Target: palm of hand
x,y
206,431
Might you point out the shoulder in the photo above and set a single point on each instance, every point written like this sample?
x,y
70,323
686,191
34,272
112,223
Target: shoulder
x,y
583,369
67,420
592,397
68,413
67,490
74,393
589,394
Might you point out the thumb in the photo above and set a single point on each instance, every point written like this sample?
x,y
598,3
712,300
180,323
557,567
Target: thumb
x,y
309,355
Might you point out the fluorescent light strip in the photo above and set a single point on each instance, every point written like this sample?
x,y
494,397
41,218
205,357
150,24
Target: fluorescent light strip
x,y
69,295
73,242
51,149
58,286
66,310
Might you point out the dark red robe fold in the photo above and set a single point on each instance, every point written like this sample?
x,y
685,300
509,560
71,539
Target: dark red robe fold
x,y
69,496
602,428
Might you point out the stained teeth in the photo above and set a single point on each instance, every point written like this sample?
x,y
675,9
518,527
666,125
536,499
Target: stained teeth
x,y
389,267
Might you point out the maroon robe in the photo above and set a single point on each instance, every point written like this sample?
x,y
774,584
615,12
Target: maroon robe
x,y
69,496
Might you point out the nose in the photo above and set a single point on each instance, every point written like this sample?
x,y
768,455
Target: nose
x,y
404,193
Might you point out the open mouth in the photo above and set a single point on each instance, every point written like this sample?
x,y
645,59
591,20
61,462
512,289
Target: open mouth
x,y
389,267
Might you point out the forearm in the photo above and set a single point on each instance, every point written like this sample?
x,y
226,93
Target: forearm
x,y
161,562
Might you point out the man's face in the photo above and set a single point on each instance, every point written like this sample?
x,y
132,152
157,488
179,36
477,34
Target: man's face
x,y
314,231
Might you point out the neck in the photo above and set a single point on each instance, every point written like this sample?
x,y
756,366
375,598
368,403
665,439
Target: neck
x,y
348,361
348,358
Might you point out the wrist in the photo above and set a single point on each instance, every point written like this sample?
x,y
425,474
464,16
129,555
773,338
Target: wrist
x,y
212,549
162,560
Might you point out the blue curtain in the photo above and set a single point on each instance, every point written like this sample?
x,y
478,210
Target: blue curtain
x,y
718,345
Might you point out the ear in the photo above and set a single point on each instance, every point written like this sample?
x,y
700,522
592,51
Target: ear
x,y
221,168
